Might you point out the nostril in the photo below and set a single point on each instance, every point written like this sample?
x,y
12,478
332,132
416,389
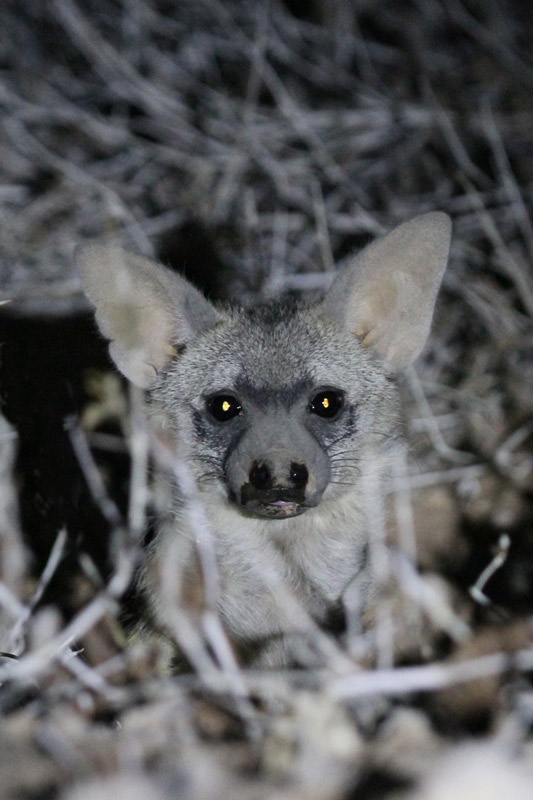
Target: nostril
x,y
261,475
298,475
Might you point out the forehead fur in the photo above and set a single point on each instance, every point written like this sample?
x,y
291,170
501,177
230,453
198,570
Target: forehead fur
x,y
274,346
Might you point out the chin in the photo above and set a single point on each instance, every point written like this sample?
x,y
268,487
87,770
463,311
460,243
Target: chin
x,y
275,510
278,510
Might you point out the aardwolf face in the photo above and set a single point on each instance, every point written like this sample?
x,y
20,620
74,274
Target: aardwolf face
x,y
277,408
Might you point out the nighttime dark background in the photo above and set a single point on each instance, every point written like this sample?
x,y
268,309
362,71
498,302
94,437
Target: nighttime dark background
x,y
253,147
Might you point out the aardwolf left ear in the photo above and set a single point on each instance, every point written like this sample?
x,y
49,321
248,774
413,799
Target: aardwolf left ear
x,y
143,308
386,296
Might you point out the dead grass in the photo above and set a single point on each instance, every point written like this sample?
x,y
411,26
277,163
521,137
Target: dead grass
x,y
285,143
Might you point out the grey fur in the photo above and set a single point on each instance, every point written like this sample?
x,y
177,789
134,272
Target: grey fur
x,y
281,485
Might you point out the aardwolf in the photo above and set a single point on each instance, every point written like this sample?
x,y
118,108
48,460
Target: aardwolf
x,y
279,412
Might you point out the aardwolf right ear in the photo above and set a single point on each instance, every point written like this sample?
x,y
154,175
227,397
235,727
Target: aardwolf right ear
x,y
386,295
143,308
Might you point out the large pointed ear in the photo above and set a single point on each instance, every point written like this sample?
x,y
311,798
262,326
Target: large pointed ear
x,y
143,308
387,294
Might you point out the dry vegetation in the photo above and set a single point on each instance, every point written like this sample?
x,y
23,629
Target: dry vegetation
x,y
256,145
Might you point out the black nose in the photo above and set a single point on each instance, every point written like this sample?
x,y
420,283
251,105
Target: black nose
x,y
261,475
298,475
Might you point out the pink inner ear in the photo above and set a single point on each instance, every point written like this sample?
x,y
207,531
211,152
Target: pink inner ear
x,y
386,295
143,308
135,368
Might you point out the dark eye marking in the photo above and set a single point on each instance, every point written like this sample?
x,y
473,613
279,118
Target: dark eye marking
x,y
223,407
327,403
198,422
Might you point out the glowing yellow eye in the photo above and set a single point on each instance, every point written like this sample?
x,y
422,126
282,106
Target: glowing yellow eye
x,y
223,407
327,404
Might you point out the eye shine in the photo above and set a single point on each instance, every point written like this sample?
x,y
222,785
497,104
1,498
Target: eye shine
x,y
327,403
223,407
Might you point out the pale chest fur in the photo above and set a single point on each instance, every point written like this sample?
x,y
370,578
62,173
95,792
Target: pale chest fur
x,y
269,569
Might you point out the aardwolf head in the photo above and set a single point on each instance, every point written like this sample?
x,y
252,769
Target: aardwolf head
x,y
277,407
